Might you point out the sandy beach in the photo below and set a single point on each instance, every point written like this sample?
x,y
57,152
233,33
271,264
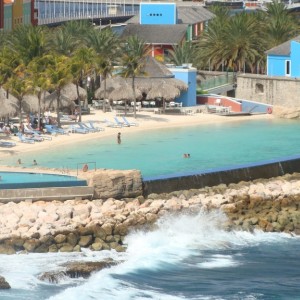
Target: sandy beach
x,y
146,121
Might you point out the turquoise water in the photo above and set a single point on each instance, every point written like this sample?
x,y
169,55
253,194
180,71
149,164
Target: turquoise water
x,y
25,177
160,152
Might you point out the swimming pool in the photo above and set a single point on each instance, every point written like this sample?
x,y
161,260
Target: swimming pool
x,y
160,152
21,180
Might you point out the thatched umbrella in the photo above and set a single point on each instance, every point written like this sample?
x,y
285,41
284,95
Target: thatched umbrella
x,y
9,106
125,93
30,103
70,91
109,85
164,91
50,101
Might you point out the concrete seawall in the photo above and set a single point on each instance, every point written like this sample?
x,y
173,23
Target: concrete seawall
x,y
267,169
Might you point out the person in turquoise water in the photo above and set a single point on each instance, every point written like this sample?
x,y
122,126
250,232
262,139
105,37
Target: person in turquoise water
x,y
119,138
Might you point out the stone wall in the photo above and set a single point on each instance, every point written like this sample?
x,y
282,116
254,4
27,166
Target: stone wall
x,y
278,91
115,183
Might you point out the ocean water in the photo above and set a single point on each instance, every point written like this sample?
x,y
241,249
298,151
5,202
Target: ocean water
x,y
160,152
185,257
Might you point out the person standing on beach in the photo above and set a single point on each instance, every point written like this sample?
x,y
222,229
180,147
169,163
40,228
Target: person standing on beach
x,y
119,138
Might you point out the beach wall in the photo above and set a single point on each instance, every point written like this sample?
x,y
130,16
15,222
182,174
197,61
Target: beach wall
x,y
249,172
69,226
279,91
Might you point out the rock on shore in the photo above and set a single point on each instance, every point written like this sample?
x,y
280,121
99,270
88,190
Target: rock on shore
x,y
270,205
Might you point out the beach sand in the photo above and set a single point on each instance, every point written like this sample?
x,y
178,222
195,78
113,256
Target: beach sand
x,y
146,120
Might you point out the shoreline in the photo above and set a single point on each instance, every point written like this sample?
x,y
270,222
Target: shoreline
x,y
147,121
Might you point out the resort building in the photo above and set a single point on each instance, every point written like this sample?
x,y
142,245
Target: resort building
x,y
16,12
165,25
283,60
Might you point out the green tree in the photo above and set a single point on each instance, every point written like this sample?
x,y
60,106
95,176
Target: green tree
x,y
183,54
38,81
29,41
133,59
280,24
106,45
18,87
59,74
81,66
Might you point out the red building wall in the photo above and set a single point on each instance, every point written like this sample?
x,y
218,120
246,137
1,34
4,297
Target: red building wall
x,y
224,101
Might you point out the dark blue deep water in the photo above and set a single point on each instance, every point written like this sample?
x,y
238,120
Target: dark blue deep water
x,y
186,257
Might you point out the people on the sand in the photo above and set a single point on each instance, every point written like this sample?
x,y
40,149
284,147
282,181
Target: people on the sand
x,y
34,162
19,161
119,138
186,155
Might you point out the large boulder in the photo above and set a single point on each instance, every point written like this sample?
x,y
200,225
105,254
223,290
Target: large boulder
x,y
4,284
116,184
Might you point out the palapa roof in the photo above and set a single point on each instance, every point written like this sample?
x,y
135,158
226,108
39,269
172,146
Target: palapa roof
x,y
284,48
154,69
164,90
185,15
156,74
157,34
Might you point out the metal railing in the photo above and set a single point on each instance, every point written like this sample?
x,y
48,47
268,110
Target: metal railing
x,y
217,81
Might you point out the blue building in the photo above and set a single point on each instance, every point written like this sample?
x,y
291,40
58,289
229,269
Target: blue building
x,y
284,60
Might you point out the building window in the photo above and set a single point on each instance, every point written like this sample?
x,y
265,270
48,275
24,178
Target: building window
x,y
259,88
288,68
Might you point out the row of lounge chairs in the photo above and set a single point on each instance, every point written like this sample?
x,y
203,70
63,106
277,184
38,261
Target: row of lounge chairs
x,y
119,124
84,128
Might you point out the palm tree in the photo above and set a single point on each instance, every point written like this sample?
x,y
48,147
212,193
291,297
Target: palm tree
x,y
133,61
59,74
81,65
183,54
38,81
18,87
280,23
106,45
29,42
243,41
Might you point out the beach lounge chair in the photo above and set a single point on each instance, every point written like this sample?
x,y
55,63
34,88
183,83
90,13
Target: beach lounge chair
x,y
84,126
53,129
121,123
7,144
91,125
24,139
76,129
112,124
37,133
129,123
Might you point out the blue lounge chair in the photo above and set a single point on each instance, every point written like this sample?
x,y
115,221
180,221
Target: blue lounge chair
x,y
129,123
111,124
7,144
24,139
53,129
84,126
36,133
121,123
91,125
75,129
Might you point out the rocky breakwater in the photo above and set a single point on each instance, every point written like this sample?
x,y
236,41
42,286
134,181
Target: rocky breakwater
x,y
270,205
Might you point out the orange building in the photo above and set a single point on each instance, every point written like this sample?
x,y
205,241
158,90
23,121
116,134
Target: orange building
x,y
16,12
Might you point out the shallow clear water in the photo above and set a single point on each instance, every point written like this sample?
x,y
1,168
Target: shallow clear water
x,y
26,177
160,152
186,257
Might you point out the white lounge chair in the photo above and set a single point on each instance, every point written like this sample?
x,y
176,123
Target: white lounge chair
x,y
129,123
24,139
7,144
91,125
112,124
76,129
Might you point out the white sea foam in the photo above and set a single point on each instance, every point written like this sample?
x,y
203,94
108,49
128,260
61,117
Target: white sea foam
x,y
176,238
